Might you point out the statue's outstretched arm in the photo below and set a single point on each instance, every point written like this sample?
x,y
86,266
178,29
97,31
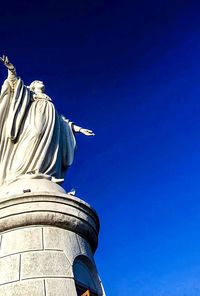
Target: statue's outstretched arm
x,y
84,131
12,74
78,129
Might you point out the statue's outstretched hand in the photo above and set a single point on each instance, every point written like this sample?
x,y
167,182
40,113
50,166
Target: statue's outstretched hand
x,y
86,132
6,62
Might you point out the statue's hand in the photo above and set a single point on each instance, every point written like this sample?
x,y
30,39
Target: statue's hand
x,y
6,62
86,132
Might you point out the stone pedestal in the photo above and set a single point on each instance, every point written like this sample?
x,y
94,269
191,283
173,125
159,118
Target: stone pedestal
x,y
47,242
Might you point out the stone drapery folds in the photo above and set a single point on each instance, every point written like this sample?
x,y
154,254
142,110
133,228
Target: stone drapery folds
x,y
35,141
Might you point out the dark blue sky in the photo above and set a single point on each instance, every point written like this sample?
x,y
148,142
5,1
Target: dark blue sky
x,y
129,70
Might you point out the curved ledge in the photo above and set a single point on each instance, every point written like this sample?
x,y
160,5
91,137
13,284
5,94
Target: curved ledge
x,y
58,210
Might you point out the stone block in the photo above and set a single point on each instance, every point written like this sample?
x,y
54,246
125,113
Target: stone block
x,y
85,248
45,264
24,288
61,239
9,269
62,287
21,240
59,211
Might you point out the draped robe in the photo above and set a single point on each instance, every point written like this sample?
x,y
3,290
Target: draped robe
x,y
35,140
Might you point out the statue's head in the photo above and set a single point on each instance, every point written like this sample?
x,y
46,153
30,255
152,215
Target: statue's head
x,y
37,86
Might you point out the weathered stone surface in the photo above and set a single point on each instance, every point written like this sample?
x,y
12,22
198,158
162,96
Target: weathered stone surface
x,y
21,240
9,269
62,287
45,264
26,184
24,288
85,248
62,240
42,235
59,210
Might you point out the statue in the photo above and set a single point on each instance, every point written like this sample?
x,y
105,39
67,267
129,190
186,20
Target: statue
x,y
35,141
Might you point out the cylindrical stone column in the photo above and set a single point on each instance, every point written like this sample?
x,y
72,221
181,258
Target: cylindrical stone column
x,y
47,242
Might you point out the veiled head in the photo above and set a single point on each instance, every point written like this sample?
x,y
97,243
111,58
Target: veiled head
x,y
37,86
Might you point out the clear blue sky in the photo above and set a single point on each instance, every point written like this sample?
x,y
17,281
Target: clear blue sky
x,y
129,70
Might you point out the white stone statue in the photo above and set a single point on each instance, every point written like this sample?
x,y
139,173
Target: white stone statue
x,y
35,141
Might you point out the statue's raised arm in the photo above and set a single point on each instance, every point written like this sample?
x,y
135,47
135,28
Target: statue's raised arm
x,y
4,59
12,74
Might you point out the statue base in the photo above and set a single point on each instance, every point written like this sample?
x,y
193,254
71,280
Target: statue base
x,y
47,242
